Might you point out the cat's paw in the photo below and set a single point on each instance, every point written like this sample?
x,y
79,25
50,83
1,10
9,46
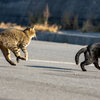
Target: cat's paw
x,y
26,58
17,59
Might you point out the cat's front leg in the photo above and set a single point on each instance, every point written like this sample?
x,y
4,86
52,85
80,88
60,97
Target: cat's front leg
x,y
25,52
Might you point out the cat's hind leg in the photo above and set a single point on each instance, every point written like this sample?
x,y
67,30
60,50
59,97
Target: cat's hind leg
x,y
6,53
17,59
96,64
88,60
16,52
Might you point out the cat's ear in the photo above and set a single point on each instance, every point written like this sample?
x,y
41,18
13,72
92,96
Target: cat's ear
x,y
33,28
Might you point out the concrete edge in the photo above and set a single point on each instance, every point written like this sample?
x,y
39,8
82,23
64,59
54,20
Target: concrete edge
x,y
81,39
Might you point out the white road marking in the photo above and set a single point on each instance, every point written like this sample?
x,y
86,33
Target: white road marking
x,y
57,62
46,61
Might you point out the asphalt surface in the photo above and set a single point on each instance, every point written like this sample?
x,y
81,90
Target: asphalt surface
x,y
49,74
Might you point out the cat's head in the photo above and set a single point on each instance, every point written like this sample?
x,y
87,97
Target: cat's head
x,y
30,31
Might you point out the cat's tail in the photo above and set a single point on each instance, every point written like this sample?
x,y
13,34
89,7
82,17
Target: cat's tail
x,y
78,54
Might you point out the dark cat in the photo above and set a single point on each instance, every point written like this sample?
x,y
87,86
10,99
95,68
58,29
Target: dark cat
x,y
91,54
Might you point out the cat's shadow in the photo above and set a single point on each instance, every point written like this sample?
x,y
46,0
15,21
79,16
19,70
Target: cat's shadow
x,y
53,68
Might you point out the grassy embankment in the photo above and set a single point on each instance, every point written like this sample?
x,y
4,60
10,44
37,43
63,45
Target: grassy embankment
x,y
41,23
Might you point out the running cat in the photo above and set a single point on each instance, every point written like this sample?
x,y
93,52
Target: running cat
x,y
91,54
14,40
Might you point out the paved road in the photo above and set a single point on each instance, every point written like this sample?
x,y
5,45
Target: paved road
x,y
49,74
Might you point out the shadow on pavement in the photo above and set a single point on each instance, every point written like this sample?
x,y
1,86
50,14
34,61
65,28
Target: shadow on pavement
x,y
47,67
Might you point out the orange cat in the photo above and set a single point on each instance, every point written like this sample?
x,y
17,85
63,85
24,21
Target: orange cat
x,y
14,40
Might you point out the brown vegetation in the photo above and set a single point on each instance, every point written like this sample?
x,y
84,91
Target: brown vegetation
x,y
10,25
66,21
41,23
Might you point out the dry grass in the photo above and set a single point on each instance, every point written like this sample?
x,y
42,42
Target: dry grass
x,y
66,21
41,27
88,26
38,27
10,25
46,15
75,23
68,24
41,21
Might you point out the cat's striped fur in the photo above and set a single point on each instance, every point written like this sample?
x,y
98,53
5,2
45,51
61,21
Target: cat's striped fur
x,y
14,40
